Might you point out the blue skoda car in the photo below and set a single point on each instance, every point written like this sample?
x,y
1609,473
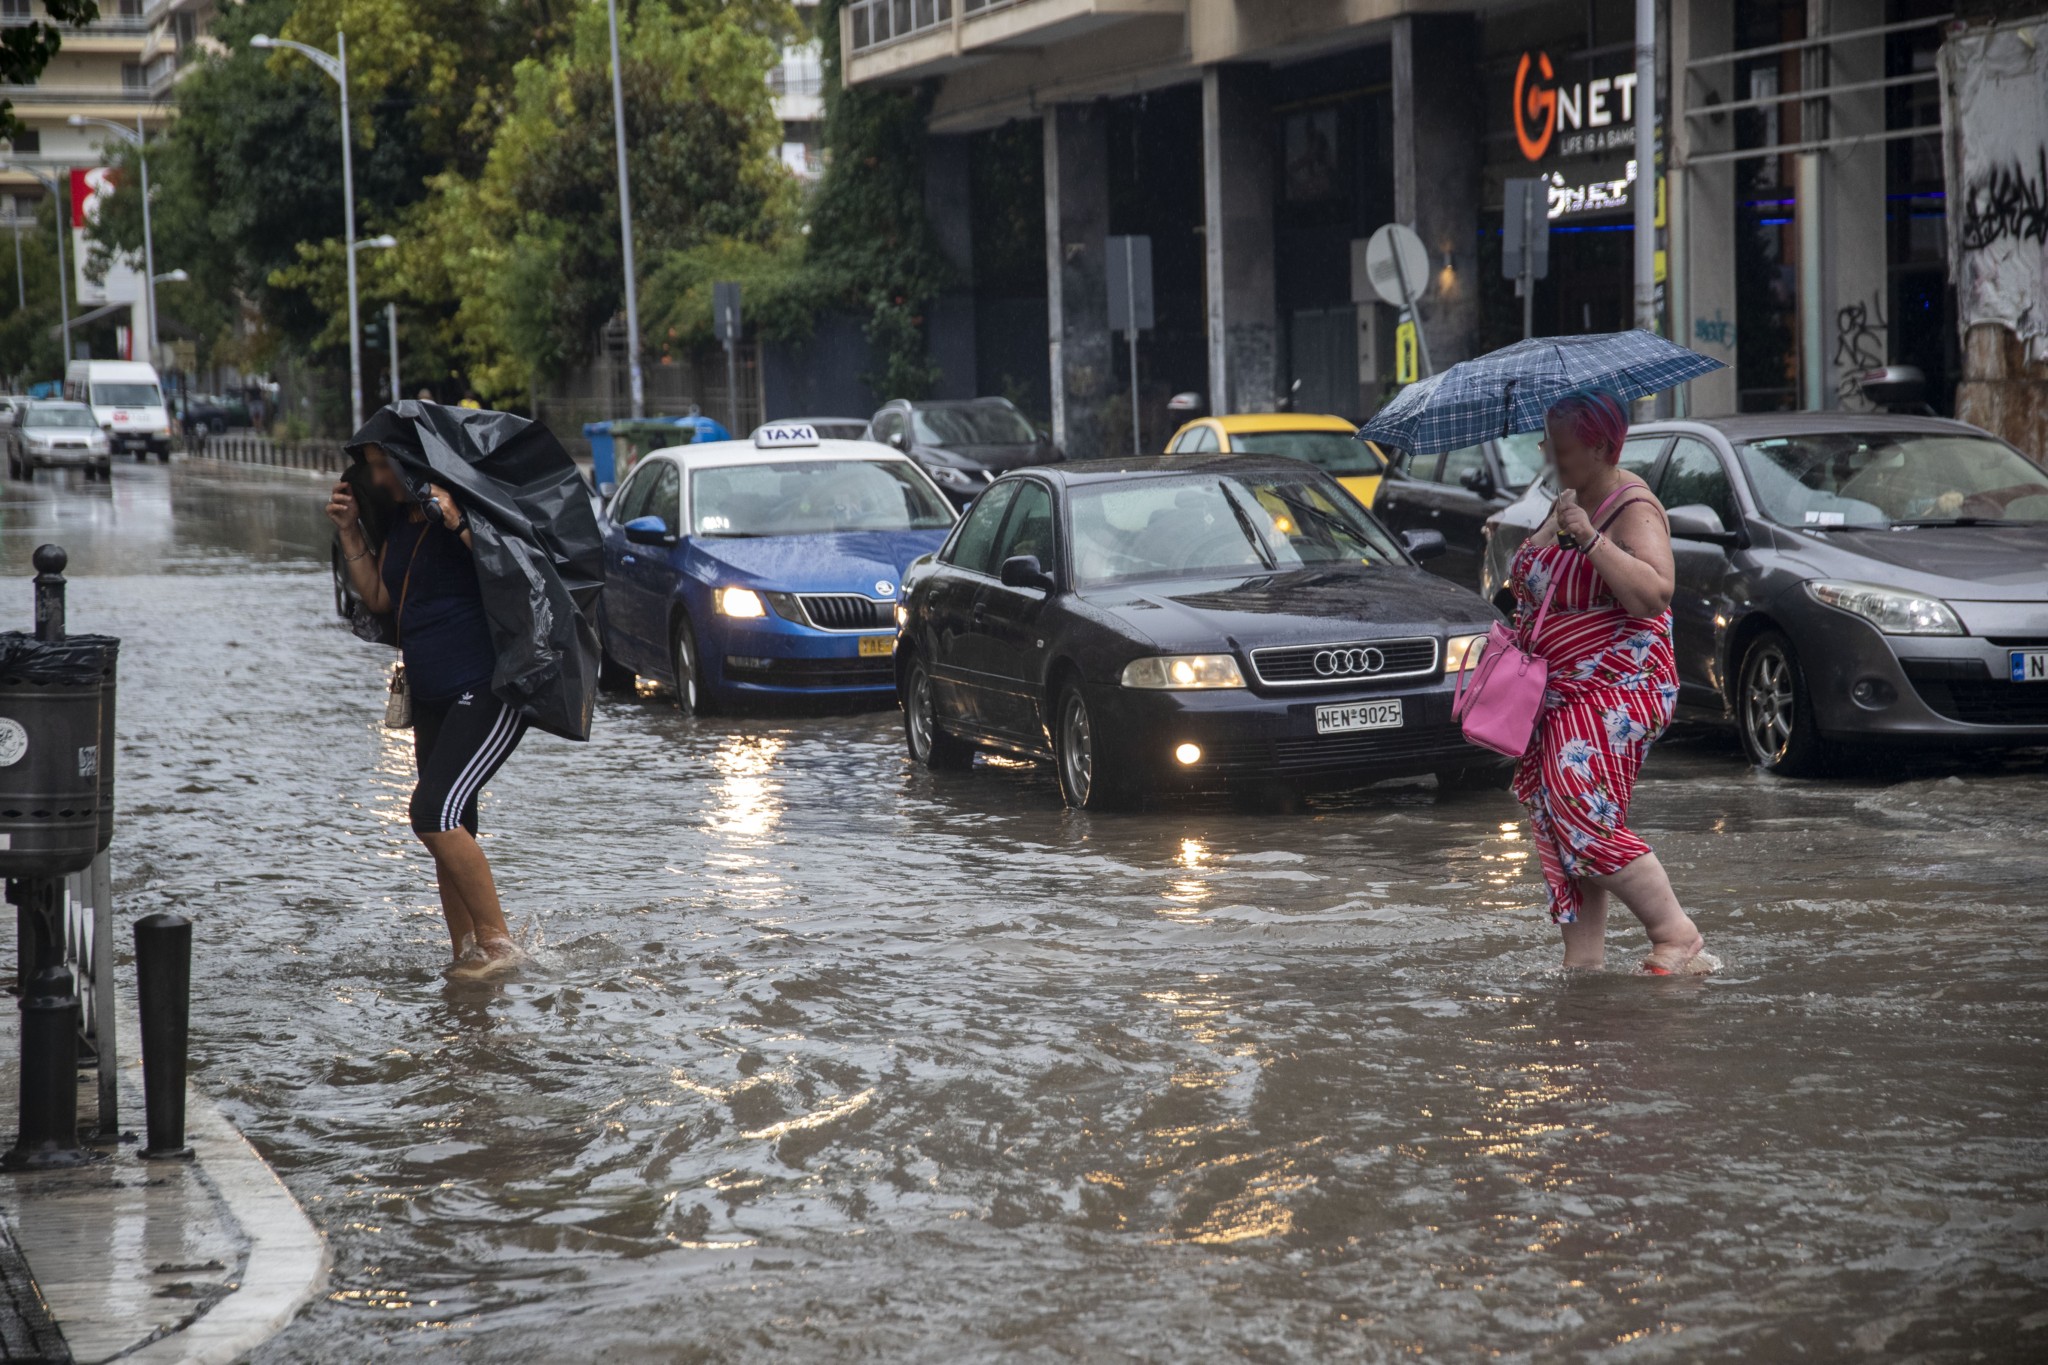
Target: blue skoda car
x,y
764,568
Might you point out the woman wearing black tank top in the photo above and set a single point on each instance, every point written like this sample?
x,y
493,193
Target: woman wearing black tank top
x,y
425,579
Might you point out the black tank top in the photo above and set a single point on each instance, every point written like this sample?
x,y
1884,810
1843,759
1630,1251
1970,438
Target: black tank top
x,y
443,633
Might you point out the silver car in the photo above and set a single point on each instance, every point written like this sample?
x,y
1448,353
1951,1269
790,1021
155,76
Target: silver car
x,y
49,435
1843,578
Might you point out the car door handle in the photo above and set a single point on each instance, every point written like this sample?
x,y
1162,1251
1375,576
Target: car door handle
x,y
629,559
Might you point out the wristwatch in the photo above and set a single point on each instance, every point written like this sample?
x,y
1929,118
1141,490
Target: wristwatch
x,y
462,523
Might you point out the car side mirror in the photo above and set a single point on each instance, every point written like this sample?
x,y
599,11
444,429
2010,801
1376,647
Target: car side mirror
x,y
1697,521
1022,571
896,439
1479,481
1422,545
648,531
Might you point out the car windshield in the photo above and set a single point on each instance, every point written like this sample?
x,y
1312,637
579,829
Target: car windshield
x,y
59,417
1333,452
1199,525
1878,478
1521,458
126,396
814,497
978,424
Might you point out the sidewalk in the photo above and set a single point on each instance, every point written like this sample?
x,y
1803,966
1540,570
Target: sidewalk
x,y
156,1262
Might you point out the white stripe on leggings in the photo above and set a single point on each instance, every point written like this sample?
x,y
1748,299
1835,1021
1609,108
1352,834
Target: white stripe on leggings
x,y
490,752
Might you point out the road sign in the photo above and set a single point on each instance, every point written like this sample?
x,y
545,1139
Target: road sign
x,y
1407,366
725,311
1397,265
1130,284
1525,229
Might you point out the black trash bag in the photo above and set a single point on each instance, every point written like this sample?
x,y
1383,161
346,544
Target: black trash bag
x,y
533,530
74,661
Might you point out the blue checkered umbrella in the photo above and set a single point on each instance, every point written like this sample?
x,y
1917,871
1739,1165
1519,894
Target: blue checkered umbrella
x,y
1510,390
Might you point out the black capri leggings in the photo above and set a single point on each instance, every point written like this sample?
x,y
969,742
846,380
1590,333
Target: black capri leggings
x,y
457,745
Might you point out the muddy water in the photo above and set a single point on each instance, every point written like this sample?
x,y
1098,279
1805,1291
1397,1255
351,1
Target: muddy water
x,y
826,1059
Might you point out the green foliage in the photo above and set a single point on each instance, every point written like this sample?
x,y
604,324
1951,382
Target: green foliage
x,y
872,248
25,49
27,350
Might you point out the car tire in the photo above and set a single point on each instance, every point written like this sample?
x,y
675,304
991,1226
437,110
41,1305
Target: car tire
x,y
929,745
692,697
1485,777
1774,710
1077,756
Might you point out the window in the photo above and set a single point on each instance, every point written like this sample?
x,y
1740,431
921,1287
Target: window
x,y
1333,452
1417,466
814,497
1200,440
1638,453
28,141
126,396
631,501
974,545
1871,478
133,76
888,423
978,423
1459,463
14,9
1694,474
1521,458
664,496
1029,529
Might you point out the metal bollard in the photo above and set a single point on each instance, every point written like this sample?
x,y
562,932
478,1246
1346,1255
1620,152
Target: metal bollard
x,y
50,561
48,1134
163,989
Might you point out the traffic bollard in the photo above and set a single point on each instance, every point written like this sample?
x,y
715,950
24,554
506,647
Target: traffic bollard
x,y
48,1133
163,990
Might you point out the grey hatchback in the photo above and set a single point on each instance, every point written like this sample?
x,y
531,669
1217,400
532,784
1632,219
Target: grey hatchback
x,y
1844,577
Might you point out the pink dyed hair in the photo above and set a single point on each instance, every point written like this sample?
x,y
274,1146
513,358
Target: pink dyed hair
x,y
1596,417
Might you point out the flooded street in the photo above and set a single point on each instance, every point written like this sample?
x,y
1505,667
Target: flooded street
x,y
826,1058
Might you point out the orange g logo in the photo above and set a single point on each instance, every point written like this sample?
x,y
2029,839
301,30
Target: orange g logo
x,y
1535,108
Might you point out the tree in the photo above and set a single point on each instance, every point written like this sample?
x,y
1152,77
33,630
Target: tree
x,y
26,49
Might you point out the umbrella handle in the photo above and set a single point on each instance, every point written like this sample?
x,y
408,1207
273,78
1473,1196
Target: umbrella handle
x,y
1507,408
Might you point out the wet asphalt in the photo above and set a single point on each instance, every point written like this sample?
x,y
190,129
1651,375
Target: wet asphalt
x,y
822,1057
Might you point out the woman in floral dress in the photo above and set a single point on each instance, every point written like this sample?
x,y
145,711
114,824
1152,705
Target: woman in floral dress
x,y
1607,640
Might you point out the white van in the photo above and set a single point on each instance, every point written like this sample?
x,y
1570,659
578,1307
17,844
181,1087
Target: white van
x,y
127,400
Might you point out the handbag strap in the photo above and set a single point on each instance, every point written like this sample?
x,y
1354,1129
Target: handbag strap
x,y
1535,627
398,630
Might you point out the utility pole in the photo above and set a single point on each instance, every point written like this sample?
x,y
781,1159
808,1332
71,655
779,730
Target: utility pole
x,y
638,383
391,323
1646,166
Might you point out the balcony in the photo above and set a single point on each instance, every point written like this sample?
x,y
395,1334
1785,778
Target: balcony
x,y
909,40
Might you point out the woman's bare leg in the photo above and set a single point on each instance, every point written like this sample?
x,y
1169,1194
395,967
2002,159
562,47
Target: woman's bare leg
x,y
461,927
1585,939
1645,888
462,868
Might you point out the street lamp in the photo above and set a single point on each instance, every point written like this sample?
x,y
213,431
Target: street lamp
x,y
62,201
639,386
385,243
335,64
170,277
134,138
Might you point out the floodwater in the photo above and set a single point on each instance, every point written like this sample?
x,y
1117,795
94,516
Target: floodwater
x,y
824,1058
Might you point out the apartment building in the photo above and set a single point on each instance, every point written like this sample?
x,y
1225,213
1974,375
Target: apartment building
x,y
1256,141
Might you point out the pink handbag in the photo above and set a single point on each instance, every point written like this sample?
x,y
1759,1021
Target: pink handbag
x,y
1498,709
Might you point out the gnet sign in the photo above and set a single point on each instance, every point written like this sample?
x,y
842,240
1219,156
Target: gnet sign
x,y
1544,108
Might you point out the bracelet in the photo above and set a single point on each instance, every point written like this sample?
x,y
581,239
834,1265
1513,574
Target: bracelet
x,y
1592,544
350,559
462,524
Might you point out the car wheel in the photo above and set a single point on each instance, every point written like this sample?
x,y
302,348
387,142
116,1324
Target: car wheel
x,y
1085,783
692,697
929,745
1774,710
1484,778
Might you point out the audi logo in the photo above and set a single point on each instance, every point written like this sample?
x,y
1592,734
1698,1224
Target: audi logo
x,y
1346,663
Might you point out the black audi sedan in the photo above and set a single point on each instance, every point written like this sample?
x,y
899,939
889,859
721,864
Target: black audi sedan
x,y
963,444
1186,621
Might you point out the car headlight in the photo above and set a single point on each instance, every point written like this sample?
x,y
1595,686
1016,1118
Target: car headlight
x,y
1183,672
1462,652
1891,611
739,602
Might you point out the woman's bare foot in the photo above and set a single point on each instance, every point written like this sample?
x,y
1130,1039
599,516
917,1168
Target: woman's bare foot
x,y
492,959
1681,959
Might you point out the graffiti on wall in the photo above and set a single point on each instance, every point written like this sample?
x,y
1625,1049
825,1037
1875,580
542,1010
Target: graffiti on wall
x,y
2007,200
1995,160
1860,344
1714,331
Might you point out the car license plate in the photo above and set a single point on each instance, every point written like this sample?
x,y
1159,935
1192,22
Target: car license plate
x,y
873,646
2029,665
1358,715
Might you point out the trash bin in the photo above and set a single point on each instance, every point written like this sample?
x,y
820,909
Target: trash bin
x,y
616,445
54,743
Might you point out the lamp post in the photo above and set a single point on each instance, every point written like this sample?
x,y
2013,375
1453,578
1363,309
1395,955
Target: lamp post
x,y
170,277
335,64
63,203
384,243
134,138
639,386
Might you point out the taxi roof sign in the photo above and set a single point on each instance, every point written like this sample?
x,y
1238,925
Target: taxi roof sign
x,y
780,434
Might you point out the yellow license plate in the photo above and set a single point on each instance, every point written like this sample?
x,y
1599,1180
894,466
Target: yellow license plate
x,y
872,646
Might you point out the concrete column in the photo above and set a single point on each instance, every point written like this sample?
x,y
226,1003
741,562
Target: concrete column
x,y
1237,211
1856,313
1700,203
1438,135
949,325
1076,275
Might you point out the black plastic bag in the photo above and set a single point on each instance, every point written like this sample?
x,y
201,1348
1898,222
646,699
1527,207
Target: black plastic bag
x,y
533,530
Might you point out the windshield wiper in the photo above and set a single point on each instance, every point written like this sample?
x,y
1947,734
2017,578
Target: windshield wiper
x,y
1244,524
1950,521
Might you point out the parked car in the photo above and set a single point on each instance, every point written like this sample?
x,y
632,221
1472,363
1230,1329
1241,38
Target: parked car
x,y
1455,493
127,401
1331,444
57,436
763,568
1186,620
11,405
963,445
1846,578
830,428
215,413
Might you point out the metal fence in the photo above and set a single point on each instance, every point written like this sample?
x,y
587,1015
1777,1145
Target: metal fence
x,y
89,952
250,447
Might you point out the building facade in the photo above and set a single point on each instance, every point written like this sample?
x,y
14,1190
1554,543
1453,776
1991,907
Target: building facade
x,y
1798,175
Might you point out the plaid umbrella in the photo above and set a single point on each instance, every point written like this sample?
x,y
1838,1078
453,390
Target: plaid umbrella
x,y
1510,389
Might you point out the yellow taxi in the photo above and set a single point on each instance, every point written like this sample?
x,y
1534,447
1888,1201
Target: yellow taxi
x,y
1329,443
